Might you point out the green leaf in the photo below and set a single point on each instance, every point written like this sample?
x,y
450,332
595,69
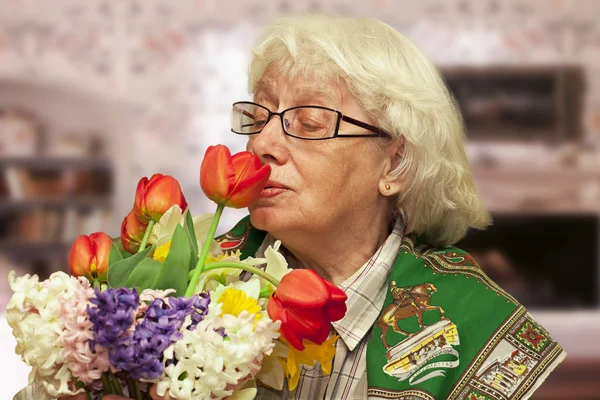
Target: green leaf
x,y
144,274
118,273
119,244
266,291
192,239
174,271
115,255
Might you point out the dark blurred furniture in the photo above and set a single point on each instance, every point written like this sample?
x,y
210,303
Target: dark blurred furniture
x,y
574,379
519,102
46,204
545,260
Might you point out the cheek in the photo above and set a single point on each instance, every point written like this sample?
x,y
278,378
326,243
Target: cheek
x,y
332,181
323,176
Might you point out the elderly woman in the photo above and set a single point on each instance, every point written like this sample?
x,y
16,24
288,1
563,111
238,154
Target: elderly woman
x,y
370,187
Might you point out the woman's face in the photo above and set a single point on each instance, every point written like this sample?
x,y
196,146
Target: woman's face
x,y
315,186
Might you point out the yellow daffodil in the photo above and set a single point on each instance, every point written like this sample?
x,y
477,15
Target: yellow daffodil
x,y
321,353
234,301
223,257
216,278
161,252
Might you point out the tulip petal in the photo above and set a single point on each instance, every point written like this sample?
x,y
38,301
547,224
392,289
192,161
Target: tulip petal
x,y
161,194
129,245
306,304
290,335
217,174
140,193
336,307
321,335
336,293
277,312
248,182
335,310
132,228
247,191
245,164
303,288
81,256
305,321
101,244
306,324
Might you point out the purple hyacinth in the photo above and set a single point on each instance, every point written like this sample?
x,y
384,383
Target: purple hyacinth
x,y
142,355
201,302
113,315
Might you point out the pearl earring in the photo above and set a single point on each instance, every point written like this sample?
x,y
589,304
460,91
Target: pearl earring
x,y
387,187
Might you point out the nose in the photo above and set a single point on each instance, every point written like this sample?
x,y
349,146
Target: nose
x,y
270,145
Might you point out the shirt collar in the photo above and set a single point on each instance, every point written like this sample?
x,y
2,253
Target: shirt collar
x,y
366,288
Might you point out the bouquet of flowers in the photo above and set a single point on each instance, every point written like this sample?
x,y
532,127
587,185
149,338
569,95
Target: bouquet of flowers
x,y
161,307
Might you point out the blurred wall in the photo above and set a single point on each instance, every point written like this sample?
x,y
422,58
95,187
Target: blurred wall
x,y
173,68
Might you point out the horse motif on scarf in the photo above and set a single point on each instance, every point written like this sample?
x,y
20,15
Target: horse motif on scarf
x,y
409,358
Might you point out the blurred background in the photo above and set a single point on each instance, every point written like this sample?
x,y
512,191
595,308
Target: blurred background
x,y
96,94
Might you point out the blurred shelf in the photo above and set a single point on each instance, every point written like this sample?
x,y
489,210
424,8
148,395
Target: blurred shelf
x,y
526,174
8,206
45,162
33,249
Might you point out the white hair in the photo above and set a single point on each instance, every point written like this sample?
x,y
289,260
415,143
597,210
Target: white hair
x,y
402,91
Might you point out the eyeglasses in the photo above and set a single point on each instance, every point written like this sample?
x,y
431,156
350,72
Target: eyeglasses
x,y
303,122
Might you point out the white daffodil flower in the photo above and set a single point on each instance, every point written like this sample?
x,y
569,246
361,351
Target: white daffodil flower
x,y
276,264
163,231
271,372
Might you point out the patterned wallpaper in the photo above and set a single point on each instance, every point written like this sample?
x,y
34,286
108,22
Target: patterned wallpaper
x,y
172,68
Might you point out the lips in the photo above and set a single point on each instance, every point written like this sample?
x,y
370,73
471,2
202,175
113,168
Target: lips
x,y
274,184
273,189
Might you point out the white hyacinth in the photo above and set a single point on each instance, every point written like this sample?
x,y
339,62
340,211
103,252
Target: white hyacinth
x,y
34,314
215,367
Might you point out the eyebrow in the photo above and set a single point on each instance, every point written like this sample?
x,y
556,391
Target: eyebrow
x,y
304,93
327,96
261,86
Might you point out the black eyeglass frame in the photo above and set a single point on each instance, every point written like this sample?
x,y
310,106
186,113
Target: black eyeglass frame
x,y
340,117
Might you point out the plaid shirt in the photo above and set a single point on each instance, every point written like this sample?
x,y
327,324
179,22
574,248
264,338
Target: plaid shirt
x,y
366,290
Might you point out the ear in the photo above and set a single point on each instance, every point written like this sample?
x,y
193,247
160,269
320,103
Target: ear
x,y
390,185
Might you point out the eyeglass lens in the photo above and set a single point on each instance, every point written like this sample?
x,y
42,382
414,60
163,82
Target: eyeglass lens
x,y
303,122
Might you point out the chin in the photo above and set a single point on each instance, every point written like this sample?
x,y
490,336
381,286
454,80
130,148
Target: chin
x,y
269,219
262,218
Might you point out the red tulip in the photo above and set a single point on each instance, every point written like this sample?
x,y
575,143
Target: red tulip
x,y
154,197
132,232
89,255
232,181
306,304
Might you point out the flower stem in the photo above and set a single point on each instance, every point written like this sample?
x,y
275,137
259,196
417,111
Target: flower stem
x,y
130,387
240,265
116,384
200,264
106,383
146,235
138,392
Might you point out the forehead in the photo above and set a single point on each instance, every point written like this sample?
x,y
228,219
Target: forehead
x,y
299,89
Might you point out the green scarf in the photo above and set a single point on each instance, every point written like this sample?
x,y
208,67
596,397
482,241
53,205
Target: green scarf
x,y
450,331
